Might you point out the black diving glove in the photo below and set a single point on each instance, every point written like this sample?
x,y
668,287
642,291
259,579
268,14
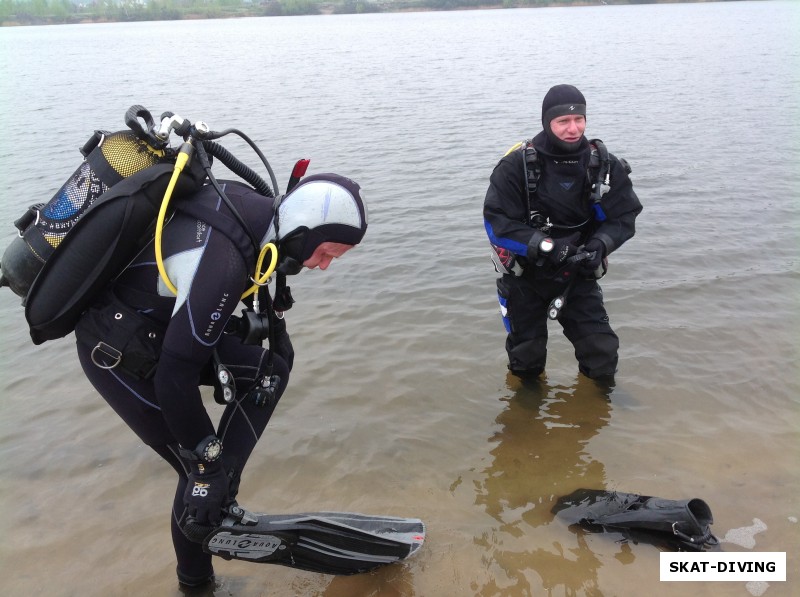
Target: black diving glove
x,y
554,252
206,493
589,266
208,487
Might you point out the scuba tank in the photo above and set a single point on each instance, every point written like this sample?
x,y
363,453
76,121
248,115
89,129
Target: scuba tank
x,y
109,158
70,248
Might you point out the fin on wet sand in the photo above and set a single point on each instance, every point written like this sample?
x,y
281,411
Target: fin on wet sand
x,y
339,543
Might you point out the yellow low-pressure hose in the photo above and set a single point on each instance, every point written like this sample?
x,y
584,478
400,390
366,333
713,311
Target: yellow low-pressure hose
x,y
259,278
184,155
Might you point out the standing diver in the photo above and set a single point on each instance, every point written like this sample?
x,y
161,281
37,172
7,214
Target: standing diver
x,y
556,207
318,221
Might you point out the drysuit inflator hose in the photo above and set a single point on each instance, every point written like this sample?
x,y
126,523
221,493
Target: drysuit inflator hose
x,y
260,278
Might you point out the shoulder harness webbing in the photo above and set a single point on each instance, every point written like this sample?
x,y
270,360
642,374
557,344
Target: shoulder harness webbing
x,y
599,162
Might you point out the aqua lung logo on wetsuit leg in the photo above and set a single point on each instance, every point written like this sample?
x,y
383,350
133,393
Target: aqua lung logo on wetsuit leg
x,y
216,315
245,547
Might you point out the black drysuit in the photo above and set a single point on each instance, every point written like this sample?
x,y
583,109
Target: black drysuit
x,y
562,200
210,273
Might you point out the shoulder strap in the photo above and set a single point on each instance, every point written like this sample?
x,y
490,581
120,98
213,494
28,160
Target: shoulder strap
x,y
601,182
222,223
533,170
599,157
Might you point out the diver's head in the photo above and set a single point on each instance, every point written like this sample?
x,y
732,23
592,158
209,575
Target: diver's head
x,y
564,117
320,219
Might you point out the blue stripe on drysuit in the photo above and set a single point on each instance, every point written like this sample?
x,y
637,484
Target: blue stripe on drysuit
x,y
515,247
504,311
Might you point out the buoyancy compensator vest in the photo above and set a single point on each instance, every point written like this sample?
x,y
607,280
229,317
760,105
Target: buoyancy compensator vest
x,y
70,248
599,175
598,172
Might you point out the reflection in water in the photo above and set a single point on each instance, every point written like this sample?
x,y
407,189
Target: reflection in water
x,y
390,581
541,454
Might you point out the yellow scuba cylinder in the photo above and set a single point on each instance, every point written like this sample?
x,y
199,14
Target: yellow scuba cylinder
x,y
109,158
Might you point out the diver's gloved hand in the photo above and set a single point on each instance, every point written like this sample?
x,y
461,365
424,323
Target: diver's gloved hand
x,y
554,252
208,487
588,267
207,492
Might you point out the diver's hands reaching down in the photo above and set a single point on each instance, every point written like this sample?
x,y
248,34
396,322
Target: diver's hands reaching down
x,y
207,493
207,489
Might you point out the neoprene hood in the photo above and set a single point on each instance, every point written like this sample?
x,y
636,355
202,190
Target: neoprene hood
x,y
560,101
322,208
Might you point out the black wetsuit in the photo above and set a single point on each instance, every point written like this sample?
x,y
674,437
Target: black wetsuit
x,y
562,196
210,273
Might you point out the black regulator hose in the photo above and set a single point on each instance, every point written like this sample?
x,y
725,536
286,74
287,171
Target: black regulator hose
x,y
211,135
239,168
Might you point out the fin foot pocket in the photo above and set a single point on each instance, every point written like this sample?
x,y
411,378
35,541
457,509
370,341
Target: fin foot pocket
x,y
677,524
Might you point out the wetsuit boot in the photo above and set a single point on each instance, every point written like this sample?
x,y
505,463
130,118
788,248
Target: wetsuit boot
x,y
194,582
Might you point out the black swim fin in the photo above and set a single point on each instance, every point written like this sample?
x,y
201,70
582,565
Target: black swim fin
x,y
683,523
328,542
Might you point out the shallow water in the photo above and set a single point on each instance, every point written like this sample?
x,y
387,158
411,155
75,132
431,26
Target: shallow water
x,y
400,402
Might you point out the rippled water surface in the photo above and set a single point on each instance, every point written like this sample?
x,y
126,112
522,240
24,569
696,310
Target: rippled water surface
x,y
400,402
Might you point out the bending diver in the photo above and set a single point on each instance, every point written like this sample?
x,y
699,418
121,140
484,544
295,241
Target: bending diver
x,y
166,412
147,349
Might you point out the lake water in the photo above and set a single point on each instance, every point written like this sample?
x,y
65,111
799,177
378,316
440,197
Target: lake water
x,y
400,402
